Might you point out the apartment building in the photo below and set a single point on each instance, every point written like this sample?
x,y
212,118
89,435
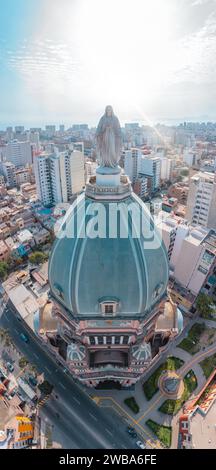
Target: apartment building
x,y
201,204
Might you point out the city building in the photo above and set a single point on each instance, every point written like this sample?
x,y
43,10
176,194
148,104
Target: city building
x,y
59,176
22,432
132,159
4,251
151,168
8,170
191,156
43,180
197,421
19,153
140,187
166,168
23,175
179,191
201,203
192,258
72,173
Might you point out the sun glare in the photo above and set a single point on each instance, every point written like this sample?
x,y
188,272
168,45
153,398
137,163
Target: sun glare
x,y
123,30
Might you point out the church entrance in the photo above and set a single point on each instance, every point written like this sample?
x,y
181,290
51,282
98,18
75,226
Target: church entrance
x,y
108,385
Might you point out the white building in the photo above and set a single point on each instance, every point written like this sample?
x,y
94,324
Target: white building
x,y
9,172
55,178
201,204
59,176
19,153
132,163
72,170
190,157
151,167
191,252
166,168
43,179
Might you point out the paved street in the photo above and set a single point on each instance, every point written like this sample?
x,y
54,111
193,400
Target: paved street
x,y
149,408
84,423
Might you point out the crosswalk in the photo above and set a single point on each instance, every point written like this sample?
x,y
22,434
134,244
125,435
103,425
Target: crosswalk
x,y
43,401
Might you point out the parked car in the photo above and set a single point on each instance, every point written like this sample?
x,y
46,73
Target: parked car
x,y
24,337
10,366
140,444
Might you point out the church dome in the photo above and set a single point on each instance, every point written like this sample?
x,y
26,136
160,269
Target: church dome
x,y
88,272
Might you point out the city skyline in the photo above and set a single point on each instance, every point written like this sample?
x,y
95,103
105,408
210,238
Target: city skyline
x,y
163,70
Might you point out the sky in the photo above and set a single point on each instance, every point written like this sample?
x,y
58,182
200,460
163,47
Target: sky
x,y
63,61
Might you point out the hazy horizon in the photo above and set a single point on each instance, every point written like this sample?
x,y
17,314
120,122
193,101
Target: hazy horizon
x,y
64,61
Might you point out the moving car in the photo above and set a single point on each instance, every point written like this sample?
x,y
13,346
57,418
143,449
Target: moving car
x,y
140,444
24,337
10,366
132,432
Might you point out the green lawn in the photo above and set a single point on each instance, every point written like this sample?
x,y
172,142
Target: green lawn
x,y
191,343
150,387
171,407
208,365
164,433
132,404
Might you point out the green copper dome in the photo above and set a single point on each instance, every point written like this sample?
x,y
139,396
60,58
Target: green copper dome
x,y
86,271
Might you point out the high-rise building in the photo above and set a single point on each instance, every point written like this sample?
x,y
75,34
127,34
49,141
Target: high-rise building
x,y
9,172
191,252
201,203
132,163
141,187
190,156
166,168
72,170
59,175
19,129
151,167
34,138
19,153
43,179
50,130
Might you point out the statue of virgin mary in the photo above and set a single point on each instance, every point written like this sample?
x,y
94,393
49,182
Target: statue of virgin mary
x,y
108,139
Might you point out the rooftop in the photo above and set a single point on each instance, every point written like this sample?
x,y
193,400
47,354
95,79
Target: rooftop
x,y
203,429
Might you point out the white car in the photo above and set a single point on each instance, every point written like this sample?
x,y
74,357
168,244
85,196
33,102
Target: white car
x,y
140,444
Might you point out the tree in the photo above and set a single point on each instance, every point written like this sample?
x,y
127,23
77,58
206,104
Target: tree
x,y
33,368
185,172
3,270
37,257
204,305
45,387
5,336
23,362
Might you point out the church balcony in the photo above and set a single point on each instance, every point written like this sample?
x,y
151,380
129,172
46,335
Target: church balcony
x,y
108,371
102,192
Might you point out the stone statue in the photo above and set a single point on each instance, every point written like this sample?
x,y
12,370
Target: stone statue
x,y
108,139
